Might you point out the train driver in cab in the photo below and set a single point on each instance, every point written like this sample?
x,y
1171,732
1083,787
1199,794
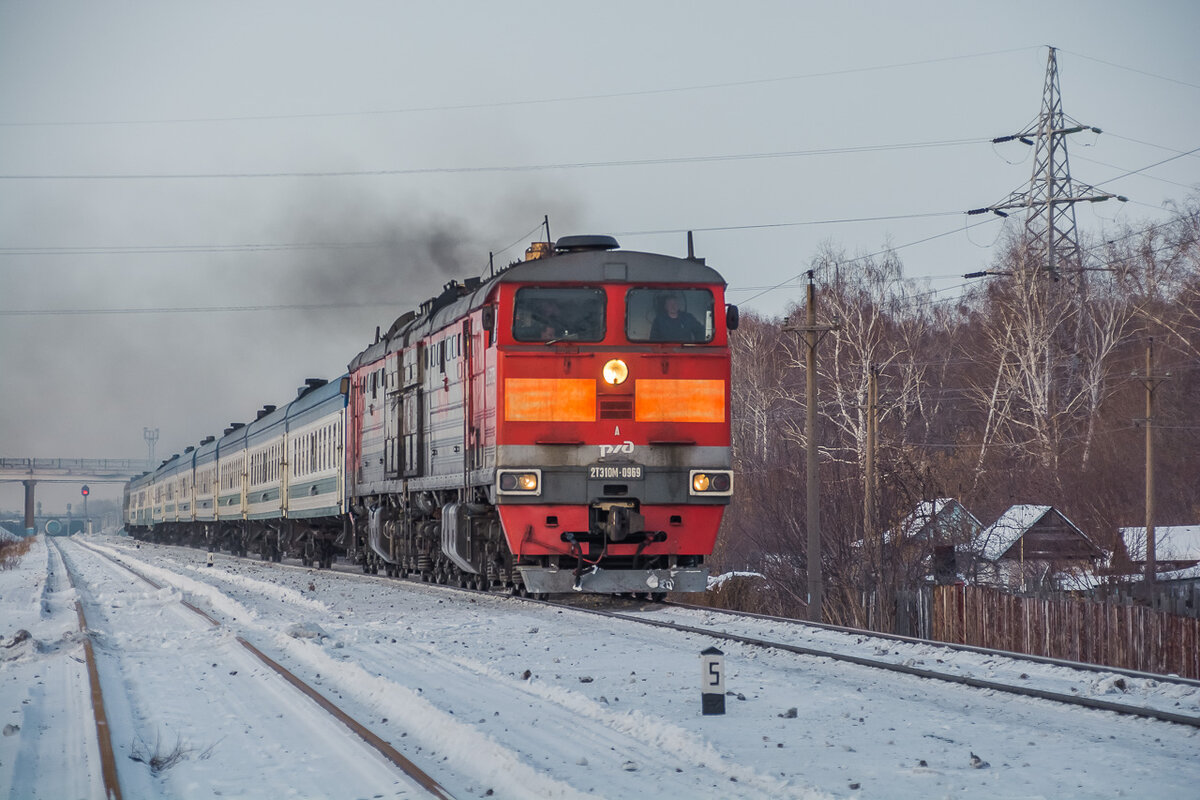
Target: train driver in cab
x,y
539,320
673,324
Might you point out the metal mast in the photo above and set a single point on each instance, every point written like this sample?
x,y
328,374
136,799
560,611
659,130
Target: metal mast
x,y
1049,199
151,436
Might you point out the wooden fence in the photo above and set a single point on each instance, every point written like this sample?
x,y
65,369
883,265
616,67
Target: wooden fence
x,y
1111,634
1182,598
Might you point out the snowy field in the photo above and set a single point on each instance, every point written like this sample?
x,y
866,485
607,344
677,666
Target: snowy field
x,y
499,698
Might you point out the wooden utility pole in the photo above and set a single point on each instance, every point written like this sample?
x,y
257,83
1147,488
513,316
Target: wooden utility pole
x,y
812,333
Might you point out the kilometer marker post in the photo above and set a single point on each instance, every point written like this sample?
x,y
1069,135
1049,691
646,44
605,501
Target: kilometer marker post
x,y
712,681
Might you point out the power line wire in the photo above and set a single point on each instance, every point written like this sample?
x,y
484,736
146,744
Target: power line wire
x,y
876,253
514,103
1149,177
82,312
494,168
1178,155
186,248
763,225
269,246
1133,69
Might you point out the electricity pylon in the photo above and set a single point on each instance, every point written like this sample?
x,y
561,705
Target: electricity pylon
x,y
1049,199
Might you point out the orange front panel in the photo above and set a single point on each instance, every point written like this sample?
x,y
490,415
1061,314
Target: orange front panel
x,y
550,400
679,401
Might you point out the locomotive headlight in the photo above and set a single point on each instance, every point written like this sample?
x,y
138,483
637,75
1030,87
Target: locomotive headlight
x,y
615,372
512,481
712,482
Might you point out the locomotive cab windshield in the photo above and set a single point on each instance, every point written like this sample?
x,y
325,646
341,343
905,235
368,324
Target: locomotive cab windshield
x,y
544,315
669,315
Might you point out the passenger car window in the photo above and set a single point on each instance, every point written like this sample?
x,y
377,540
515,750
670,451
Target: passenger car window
x,y
545,315
669,314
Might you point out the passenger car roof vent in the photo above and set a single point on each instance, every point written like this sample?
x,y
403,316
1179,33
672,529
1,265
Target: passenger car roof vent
x,y
577,244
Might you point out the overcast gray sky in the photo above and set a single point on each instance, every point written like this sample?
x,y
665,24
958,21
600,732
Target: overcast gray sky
x,y
162,156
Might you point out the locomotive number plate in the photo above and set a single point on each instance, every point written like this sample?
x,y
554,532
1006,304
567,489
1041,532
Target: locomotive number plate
x,y
620,472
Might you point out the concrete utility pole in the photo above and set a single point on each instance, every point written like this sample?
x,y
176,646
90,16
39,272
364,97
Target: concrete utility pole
x,y
812,333
30,523
1151,383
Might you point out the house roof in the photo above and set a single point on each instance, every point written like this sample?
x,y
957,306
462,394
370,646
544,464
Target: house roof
x,y
1171,543
1013,524
942,518
1004,532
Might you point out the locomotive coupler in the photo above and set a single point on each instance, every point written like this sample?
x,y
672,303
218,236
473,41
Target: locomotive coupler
x,y
621,521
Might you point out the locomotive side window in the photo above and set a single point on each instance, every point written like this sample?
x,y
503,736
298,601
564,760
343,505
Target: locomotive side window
x,y
544,315
669,315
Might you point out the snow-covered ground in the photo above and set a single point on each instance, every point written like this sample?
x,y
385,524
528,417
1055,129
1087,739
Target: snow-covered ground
x,y
1140,690
500,698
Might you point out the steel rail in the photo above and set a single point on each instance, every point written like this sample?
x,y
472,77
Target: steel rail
x,y
964,680
108,761
979,683
965,648
422,778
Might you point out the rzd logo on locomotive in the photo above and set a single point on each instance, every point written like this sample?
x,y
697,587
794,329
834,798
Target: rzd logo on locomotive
x,y
625,447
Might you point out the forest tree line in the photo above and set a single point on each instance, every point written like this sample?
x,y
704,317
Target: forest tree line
x,y
1026,389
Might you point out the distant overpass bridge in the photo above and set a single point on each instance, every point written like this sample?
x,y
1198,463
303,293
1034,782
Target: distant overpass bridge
x,y
32,471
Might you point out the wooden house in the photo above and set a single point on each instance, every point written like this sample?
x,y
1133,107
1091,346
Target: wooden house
x,y
1032,547
1176,547
938,535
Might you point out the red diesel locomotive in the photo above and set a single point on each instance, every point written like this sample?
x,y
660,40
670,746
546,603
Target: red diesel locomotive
x,y
560,426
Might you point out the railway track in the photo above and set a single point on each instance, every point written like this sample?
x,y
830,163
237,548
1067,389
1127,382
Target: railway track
x,y
864,648
902,662
419,782
545,684
108,765
466,686
1081,666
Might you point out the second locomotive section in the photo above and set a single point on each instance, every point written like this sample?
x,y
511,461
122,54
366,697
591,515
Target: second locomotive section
x,y
562,426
